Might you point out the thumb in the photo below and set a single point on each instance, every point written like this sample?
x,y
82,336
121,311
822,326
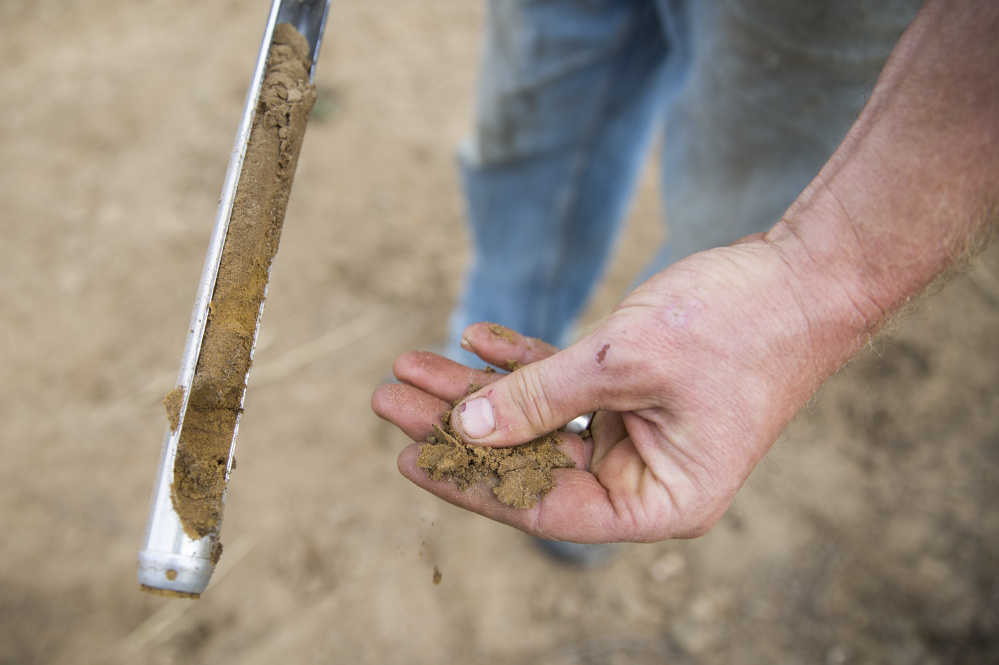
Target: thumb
x,y
533,400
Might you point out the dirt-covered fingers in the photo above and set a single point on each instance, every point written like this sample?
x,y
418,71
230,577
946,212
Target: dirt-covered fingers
x,y
439,376
503,347
412,410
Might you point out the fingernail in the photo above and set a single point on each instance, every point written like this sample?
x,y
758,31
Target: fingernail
x,y
476,418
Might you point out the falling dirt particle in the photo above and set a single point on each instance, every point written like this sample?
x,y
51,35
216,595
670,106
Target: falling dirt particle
x,y
216,393
173,401
171,575
437,575
520,475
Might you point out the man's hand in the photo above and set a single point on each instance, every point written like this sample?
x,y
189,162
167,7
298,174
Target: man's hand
x,y
697,372
693,376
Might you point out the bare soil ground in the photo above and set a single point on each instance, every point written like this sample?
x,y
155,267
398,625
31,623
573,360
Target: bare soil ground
x,y
869,535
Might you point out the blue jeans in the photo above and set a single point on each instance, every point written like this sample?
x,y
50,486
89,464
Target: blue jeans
x,y
751,98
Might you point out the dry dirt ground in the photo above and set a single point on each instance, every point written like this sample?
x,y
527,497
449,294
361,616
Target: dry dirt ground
x,y
869,535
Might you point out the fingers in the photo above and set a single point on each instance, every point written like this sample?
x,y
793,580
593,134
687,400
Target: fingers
x,y
439,376
410,409
449,381
502,347
537,398
533,400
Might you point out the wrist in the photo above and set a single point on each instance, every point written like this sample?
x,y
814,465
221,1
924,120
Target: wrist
x,y
911,192
824,269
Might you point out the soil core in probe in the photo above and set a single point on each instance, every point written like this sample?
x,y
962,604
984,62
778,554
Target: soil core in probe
x,y
216,393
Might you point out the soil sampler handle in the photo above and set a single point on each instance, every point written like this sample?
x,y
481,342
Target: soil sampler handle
x,y
170,560
580,424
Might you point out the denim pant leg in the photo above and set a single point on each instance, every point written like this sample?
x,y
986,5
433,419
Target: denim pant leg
x,y
569,93
774,85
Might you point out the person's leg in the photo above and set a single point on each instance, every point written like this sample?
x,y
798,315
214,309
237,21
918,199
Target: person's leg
x,y
774,86
569,94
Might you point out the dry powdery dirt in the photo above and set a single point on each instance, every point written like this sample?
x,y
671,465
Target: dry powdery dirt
x,y
521,475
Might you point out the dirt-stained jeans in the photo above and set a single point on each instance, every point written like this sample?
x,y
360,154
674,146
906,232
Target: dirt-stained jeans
x,y
751,98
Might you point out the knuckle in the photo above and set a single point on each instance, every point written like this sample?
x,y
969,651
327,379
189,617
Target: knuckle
x,y
531,400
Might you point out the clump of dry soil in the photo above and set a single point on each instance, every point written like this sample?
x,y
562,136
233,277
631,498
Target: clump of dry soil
x,y
521,475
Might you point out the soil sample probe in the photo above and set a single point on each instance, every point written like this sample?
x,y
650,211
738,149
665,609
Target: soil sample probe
x,y
181,545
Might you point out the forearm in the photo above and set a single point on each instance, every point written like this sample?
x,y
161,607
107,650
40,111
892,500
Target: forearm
x,y
913,189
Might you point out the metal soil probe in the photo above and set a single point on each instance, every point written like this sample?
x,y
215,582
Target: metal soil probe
x,y
170,560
